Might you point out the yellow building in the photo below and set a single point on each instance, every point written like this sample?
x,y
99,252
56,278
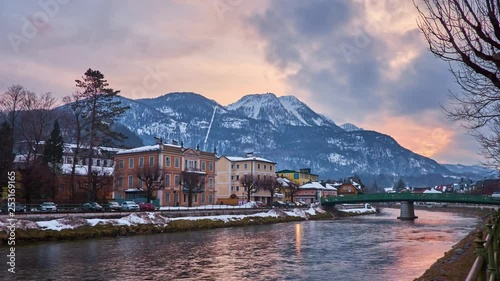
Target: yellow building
x,y
301,177
231,169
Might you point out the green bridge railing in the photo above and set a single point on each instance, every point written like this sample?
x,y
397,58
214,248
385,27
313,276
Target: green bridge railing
x,y
486,264
407,196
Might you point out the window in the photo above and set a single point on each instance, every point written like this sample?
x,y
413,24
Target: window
x,y
131,162
141,162
176,198
167,198
258,166
237,166
270,168
237,177
196,198
232,166
185,197
232,177
210,166
121,164
167,161
130,181
237,188
176,180
203,165
167,180
203,198
139,183
210,198
246,166
210,183
120,181
265,167
69,160
177,162
151,161
105,163
232,188
98,162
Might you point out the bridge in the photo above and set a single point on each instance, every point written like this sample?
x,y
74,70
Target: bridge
x,y
407,199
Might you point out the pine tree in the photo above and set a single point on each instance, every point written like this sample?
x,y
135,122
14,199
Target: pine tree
x,y
6,154
53,153
399,185
95,108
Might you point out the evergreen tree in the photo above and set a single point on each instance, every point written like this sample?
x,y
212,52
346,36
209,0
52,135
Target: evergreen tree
x,y
95,108
53,153
399,185
6,154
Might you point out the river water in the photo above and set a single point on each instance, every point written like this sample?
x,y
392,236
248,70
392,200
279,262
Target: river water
x,y
372,247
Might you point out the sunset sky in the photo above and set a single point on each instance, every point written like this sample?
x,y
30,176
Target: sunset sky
x,y
362,62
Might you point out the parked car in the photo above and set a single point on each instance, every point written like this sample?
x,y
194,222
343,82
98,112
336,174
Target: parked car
x,y
143,206
129,206
92,206
496,195
112,206
48,207
279,204
260,204
17,207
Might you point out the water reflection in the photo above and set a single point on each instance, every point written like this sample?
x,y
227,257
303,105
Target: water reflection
x,y
369,247
298,238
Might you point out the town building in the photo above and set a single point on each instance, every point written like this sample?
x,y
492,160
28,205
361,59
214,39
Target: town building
x,y
170,163
299,177
231,170
312,192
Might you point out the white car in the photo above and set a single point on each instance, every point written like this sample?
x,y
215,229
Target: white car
x,y
129,206
48,207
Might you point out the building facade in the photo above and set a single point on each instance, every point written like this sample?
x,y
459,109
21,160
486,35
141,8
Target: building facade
x,y
230,171
299,177
169,163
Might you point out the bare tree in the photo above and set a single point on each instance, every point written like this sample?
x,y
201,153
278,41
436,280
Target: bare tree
x,y
250,185
11,103
466,33
271,184
293,188
97,180
192,183
151,178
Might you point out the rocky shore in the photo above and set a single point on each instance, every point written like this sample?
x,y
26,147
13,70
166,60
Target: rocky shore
x,y
456,263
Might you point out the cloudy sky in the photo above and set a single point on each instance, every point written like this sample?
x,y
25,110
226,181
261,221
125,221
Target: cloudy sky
x,y
358,61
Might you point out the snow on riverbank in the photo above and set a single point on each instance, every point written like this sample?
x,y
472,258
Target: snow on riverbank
x,y
367,209
145,218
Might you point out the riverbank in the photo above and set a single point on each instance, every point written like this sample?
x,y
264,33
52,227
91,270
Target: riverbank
x,y
456,263
72,228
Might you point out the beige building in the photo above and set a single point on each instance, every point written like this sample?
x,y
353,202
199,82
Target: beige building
x,y
231,169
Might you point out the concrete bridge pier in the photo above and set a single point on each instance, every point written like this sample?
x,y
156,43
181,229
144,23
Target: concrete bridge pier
x,y
407,211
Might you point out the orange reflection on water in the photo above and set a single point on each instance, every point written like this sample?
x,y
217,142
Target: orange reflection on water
x,y
298,238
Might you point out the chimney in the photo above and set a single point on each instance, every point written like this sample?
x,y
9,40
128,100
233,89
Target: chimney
x,y
198,147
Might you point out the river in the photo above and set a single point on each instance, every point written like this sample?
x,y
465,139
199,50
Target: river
x,y
371,247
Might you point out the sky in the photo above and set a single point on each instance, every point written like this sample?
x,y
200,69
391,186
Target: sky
x,y
363,62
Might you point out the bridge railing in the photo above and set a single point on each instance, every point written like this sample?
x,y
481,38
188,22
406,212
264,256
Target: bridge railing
x,y
486,264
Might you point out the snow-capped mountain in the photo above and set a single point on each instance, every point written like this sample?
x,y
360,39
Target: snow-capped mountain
x,y
474,172
350,127
286,110
282,129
